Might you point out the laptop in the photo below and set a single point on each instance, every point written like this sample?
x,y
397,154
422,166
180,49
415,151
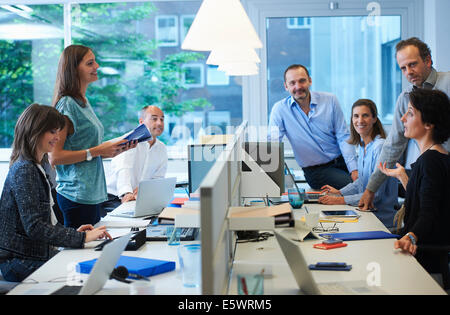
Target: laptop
x,y
153,196
159,233
305,281
101,271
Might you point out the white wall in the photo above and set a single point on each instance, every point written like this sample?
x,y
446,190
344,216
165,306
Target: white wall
x,y
436,32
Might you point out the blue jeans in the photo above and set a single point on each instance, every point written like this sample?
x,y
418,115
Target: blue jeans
x,y
334,174
16,269
76,214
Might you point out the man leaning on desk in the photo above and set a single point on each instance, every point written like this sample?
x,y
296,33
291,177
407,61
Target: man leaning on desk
x,y
315,126
147,161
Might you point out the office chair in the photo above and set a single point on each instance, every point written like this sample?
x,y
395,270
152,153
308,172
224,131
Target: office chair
x,y
443,252
6,286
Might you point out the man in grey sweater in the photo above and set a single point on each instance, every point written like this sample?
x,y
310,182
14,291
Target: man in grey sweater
x,y
414,60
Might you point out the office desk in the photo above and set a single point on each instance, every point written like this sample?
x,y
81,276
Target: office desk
x,y
61,266
399,273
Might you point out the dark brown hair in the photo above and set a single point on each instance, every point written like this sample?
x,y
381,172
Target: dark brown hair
x,y
423,48
68,77
32,124
296,66
434,107
377,128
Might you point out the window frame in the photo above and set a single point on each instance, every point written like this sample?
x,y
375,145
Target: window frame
x,y
175,27
201,68
255,104
254,88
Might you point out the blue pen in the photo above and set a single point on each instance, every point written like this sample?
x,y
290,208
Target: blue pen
x,y
331,264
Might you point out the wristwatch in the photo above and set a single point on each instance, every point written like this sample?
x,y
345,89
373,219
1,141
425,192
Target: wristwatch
x,y
412,238
88,155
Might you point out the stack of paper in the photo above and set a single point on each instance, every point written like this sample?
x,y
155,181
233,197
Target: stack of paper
x,y
167,216
192,203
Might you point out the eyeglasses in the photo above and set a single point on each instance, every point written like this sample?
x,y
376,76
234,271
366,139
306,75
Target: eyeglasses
x,y
322,229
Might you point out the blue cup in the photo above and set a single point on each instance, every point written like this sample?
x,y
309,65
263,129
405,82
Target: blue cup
x,y
190,264
296,197
173,235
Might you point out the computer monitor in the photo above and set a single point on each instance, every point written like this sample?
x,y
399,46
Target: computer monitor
x,y
261,159
201,157
219,190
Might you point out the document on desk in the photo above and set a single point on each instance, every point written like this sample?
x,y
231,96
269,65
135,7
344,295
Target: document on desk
x,y
118,222
330,220
258,211
169,213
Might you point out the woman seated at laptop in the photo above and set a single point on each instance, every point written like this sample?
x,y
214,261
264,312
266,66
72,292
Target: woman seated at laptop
x,y
368,134
29,231
426,211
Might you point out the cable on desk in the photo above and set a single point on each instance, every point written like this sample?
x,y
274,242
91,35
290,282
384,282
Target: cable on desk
x,y
259,238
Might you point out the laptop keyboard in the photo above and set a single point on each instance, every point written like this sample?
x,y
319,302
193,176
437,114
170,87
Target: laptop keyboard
x,y
68,290
158,233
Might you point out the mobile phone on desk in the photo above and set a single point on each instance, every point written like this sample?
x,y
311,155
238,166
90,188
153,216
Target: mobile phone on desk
x,y
333,266
329,246
332,241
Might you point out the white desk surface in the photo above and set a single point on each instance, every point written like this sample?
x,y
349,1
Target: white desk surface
x,y
59,268
399,273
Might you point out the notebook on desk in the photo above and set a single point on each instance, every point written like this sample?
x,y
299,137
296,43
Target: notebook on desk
x,y
305,281
135,265
357,236
153,195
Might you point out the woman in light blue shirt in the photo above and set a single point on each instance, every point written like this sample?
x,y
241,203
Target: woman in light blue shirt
x,y
78,155
367,132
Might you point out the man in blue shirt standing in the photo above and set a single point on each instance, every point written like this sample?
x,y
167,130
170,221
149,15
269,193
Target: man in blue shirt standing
x,y
315,126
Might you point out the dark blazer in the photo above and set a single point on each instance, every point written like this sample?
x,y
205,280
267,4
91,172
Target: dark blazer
x,y
427,208
26,230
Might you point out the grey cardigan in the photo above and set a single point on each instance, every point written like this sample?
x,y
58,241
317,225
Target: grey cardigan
x,y
26,230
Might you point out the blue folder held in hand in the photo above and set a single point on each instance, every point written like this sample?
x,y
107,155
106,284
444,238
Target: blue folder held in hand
x,y
135,265
140,133
357,236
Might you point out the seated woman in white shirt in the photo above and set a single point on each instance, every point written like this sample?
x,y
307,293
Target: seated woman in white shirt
x,y
367,132
147,161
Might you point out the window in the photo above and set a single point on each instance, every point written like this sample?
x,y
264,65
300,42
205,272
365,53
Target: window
x,y
137,45
298,22
193,75
216,77
31,40
345,56
186,22
167,30
353,46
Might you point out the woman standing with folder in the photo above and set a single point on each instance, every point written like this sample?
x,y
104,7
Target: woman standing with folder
x,y
426,211
78,155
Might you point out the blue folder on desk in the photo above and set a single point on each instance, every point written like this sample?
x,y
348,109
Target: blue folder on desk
x,y
135,265
357,236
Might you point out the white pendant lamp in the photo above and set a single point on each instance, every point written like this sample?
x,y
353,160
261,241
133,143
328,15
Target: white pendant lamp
x,y
218,22
223,27
239,68
230,54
